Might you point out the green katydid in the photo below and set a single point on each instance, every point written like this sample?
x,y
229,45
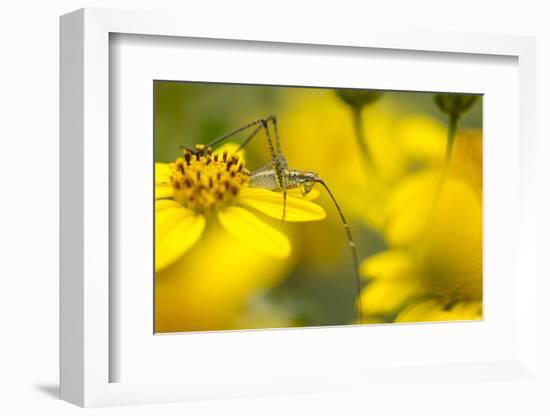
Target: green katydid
x,y
277,176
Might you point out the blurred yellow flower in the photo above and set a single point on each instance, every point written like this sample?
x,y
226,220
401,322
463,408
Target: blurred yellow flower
x,y
433,268
318,130
317,134
211,286
198,186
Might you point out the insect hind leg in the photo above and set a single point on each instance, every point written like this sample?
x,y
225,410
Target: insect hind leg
x,y
273,120
259,123
249,137
284,204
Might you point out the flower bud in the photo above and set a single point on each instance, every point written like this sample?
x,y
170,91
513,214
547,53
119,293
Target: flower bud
x,y
358,98
455,104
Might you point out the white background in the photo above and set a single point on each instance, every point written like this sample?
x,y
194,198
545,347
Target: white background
x,y
29,209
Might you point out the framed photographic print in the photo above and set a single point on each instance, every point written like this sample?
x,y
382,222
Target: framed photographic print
x,y
269,214
243,239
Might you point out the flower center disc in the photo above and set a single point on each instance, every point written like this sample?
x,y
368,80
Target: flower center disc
x,y
204,181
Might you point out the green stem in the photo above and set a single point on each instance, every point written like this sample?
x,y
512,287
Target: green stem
x,y
369,166
451,136
359,133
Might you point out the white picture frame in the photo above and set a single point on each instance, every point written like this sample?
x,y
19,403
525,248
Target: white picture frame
x,y
86,355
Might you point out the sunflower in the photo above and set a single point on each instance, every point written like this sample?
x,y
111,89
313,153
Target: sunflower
x,y
205,185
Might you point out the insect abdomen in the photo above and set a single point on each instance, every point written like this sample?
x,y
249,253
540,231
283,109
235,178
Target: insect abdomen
x,y
266,179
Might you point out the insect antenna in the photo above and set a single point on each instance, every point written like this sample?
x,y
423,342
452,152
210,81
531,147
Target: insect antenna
x,y
352,247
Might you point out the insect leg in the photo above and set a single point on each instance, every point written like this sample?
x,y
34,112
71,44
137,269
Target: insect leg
x,y
284,203
259,122
233,133
281,162
249,138
274,156
273,120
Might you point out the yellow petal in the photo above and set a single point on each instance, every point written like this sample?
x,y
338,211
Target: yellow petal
x,y
422,138
162,204
467,162
163,187
389,264
162,173
271,203
408,208
248,228
163,191
451,251
194,294
385,296
432,310
310,196
176,230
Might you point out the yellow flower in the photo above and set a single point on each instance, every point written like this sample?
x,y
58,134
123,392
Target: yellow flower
x,y
198,187
318,128
433,268
211,286
432,310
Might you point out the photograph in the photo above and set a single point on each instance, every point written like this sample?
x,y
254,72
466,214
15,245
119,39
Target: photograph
x,y
292,207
